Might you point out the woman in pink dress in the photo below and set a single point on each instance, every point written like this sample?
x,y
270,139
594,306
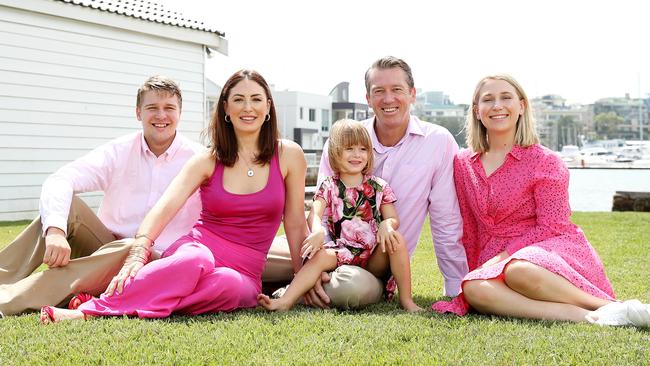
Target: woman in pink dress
x,y
526,258
249,181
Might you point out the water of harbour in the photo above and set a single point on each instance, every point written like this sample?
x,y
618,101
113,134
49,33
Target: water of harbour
x,y
593,189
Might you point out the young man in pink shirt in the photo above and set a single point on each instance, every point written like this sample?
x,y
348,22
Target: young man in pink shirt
x,y
82,250
416,159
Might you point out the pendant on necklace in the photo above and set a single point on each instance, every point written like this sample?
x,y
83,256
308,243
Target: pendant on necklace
x,y
250,172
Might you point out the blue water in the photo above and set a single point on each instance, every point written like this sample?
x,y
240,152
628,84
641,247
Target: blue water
x,y
593,189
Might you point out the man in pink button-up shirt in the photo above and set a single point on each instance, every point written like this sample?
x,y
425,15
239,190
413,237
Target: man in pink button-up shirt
x,y
82,250
416,159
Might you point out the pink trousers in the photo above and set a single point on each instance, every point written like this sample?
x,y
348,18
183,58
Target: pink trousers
x,y
188,279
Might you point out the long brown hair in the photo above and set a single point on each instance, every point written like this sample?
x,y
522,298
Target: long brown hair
x,y
222,134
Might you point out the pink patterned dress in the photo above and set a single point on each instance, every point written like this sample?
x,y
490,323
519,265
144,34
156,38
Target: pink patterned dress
x,y
522,208
353,216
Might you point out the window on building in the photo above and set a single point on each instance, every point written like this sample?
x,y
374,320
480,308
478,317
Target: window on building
x,y
325,119
339,114
210,108
301,115
312,115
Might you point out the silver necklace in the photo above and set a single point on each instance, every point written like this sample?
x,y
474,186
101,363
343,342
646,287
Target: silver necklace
x,y
250,171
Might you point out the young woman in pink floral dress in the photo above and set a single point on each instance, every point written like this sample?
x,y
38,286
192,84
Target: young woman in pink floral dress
x,y
526,258
360,214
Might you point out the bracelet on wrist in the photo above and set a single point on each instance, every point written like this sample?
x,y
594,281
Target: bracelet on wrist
x,y
138,236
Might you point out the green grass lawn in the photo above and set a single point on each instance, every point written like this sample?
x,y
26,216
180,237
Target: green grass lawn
x,y
380,334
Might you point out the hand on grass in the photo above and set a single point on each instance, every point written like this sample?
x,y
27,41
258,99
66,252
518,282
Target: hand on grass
x,y
57,248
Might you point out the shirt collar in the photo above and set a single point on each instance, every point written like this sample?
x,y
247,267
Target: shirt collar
x,y
414,128
516,152
169,153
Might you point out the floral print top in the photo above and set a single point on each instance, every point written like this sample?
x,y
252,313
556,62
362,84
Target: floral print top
x,y
353,216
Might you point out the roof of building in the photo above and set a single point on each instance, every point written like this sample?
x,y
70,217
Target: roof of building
x,y
145,10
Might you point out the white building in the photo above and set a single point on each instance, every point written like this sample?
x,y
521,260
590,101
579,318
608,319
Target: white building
x,y
303,117
69,73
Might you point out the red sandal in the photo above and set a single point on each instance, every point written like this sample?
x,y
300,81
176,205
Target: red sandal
x,y
79,299
47,315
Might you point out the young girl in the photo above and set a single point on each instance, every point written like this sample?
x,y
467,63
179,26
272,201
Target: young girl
x,y
360,214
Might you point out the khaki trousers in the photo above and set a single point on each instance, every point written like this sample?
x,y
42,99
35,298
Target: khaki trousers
x,y
350,287
96,258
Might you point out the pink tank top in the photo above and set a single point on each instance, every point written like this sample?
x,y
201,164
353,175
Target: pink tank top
x,y
251,220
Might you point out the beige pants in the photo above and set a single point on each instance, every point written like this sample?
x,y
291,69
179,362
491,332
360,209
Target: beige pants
x,y
350,287
96,258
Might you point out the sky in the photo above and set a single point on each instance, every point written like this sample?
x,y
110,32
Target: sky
x,y
581,50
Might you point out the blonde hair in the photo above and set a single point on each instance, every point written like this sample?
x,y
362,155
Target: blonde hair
x,y
346,133
476,133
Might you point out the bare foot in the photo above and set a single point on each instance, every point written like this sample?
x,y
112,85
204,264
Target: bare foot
x,y
50,314
271,304
410,306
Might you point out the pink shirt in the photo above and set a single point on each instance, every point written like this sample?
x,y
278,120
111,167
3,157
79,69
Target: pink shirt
x,y
419,168
132,179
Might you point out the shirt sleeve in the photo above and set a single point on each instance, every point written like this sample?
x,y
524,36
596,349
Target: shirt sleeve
x,y
470,227
89,173
551,193
323,191
445,220
324,169
388,195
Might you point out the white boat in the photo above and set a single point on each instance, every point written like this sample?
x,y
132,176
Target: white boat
x,y
569,153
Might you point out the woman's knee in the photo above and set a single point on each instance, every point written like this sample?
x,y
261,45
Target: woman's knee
x,y
479,294
195,255
521,275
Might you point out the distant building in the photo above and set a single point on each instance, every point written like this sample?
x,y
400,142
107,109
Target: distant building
x,y
559,124
303,117
436,107
70,71
342,108
433,105
632,110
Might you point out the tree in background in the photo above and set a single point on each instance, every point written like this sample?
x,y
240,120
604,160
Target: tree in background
x,y
567,131
606,125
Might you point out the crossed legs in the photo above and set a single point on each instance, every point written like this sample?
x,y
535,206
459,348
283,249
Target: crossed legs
x,y
530,291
